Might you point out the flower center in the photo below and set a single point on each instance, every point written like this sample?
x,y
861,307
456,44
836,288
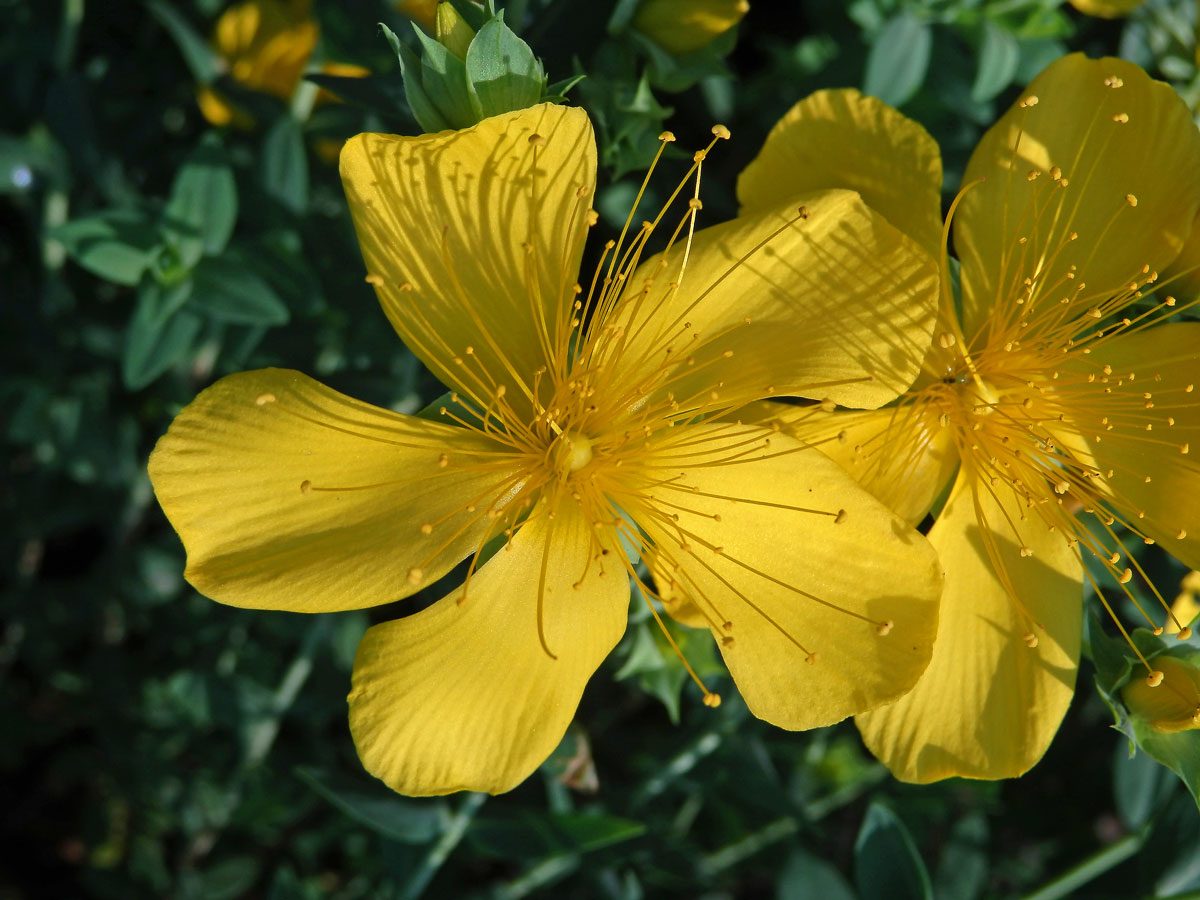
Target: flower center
x,y
571,452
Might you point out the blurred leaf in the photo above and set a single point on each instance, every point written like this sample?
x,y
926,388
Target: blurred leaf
x,y
1140,786
159,333
203,205
503,72
231,292
283,166
229,879
197,52
898,59
808,877
382,94
374,805
999,56
117,245
962,870
531,835
886,862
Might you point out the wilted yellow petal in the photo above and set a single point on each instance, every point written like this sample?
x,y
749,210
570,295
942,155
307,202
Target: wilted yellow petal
x,y
1174,703
463,695
1130,154
823,602
289,495
989,704
843,139
473,252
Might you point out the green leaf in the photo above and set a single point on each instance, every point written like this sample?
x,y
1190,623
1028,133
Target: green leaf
x,y
370,803
1140,786
898,59
999,56
231,292
807,876
229,878
197,52
284,164
117,245
203,206
159,333
531,835
502,70
886,862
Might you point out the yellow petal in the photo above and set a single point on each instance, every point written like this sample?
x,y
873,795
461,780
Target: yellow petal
x,y
289,495
1182,277
791,561
1173,704
214,107
842,139
1106,9
420,11
473,254
1130,153
1166,361
988,705
839,304
462,696
681,26
900,454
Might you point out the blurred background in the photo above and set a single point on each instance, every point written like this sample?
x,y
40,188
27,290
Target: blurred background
x,y
170,212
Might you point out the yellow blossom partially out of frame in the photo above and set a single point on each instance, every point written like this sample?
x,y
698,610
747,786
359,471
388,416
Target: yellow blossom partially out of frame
x,y
1056,414
581,418
1106,9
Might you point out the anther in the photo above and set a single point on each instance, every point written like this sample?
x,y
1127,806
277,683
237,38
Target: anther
x,y
946,340
1026,552
1183,448
427,528
264,399
700,156
1126,576
1131,199
1121,118
1030,639
374,279
667,137
415,576
721,131
1154,679
1185,633
883,629
712,700
1029,101
694,203
1114,81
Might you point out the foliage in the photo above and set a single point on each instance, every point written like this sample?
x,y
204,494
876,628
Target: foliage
x,y
160,745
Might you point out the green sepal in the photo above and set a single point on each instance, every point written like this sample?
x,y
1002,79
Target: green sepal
x,y
444,79
503,73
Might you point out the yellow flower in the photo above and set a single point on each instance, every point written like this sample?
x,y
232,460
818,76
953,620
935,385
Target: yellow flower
x,y
681,26
265,46
576,412
1056,411
1106,9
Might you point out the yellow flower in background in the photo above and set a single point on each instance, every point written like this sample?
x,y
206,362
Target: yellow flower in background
x,y
423,12
1056,410
266,46
681,26
581,418
1106,9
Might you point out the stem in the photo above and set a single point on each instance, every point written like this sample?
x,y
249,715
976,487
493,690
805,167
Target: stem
x,y
1092,867
438,853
